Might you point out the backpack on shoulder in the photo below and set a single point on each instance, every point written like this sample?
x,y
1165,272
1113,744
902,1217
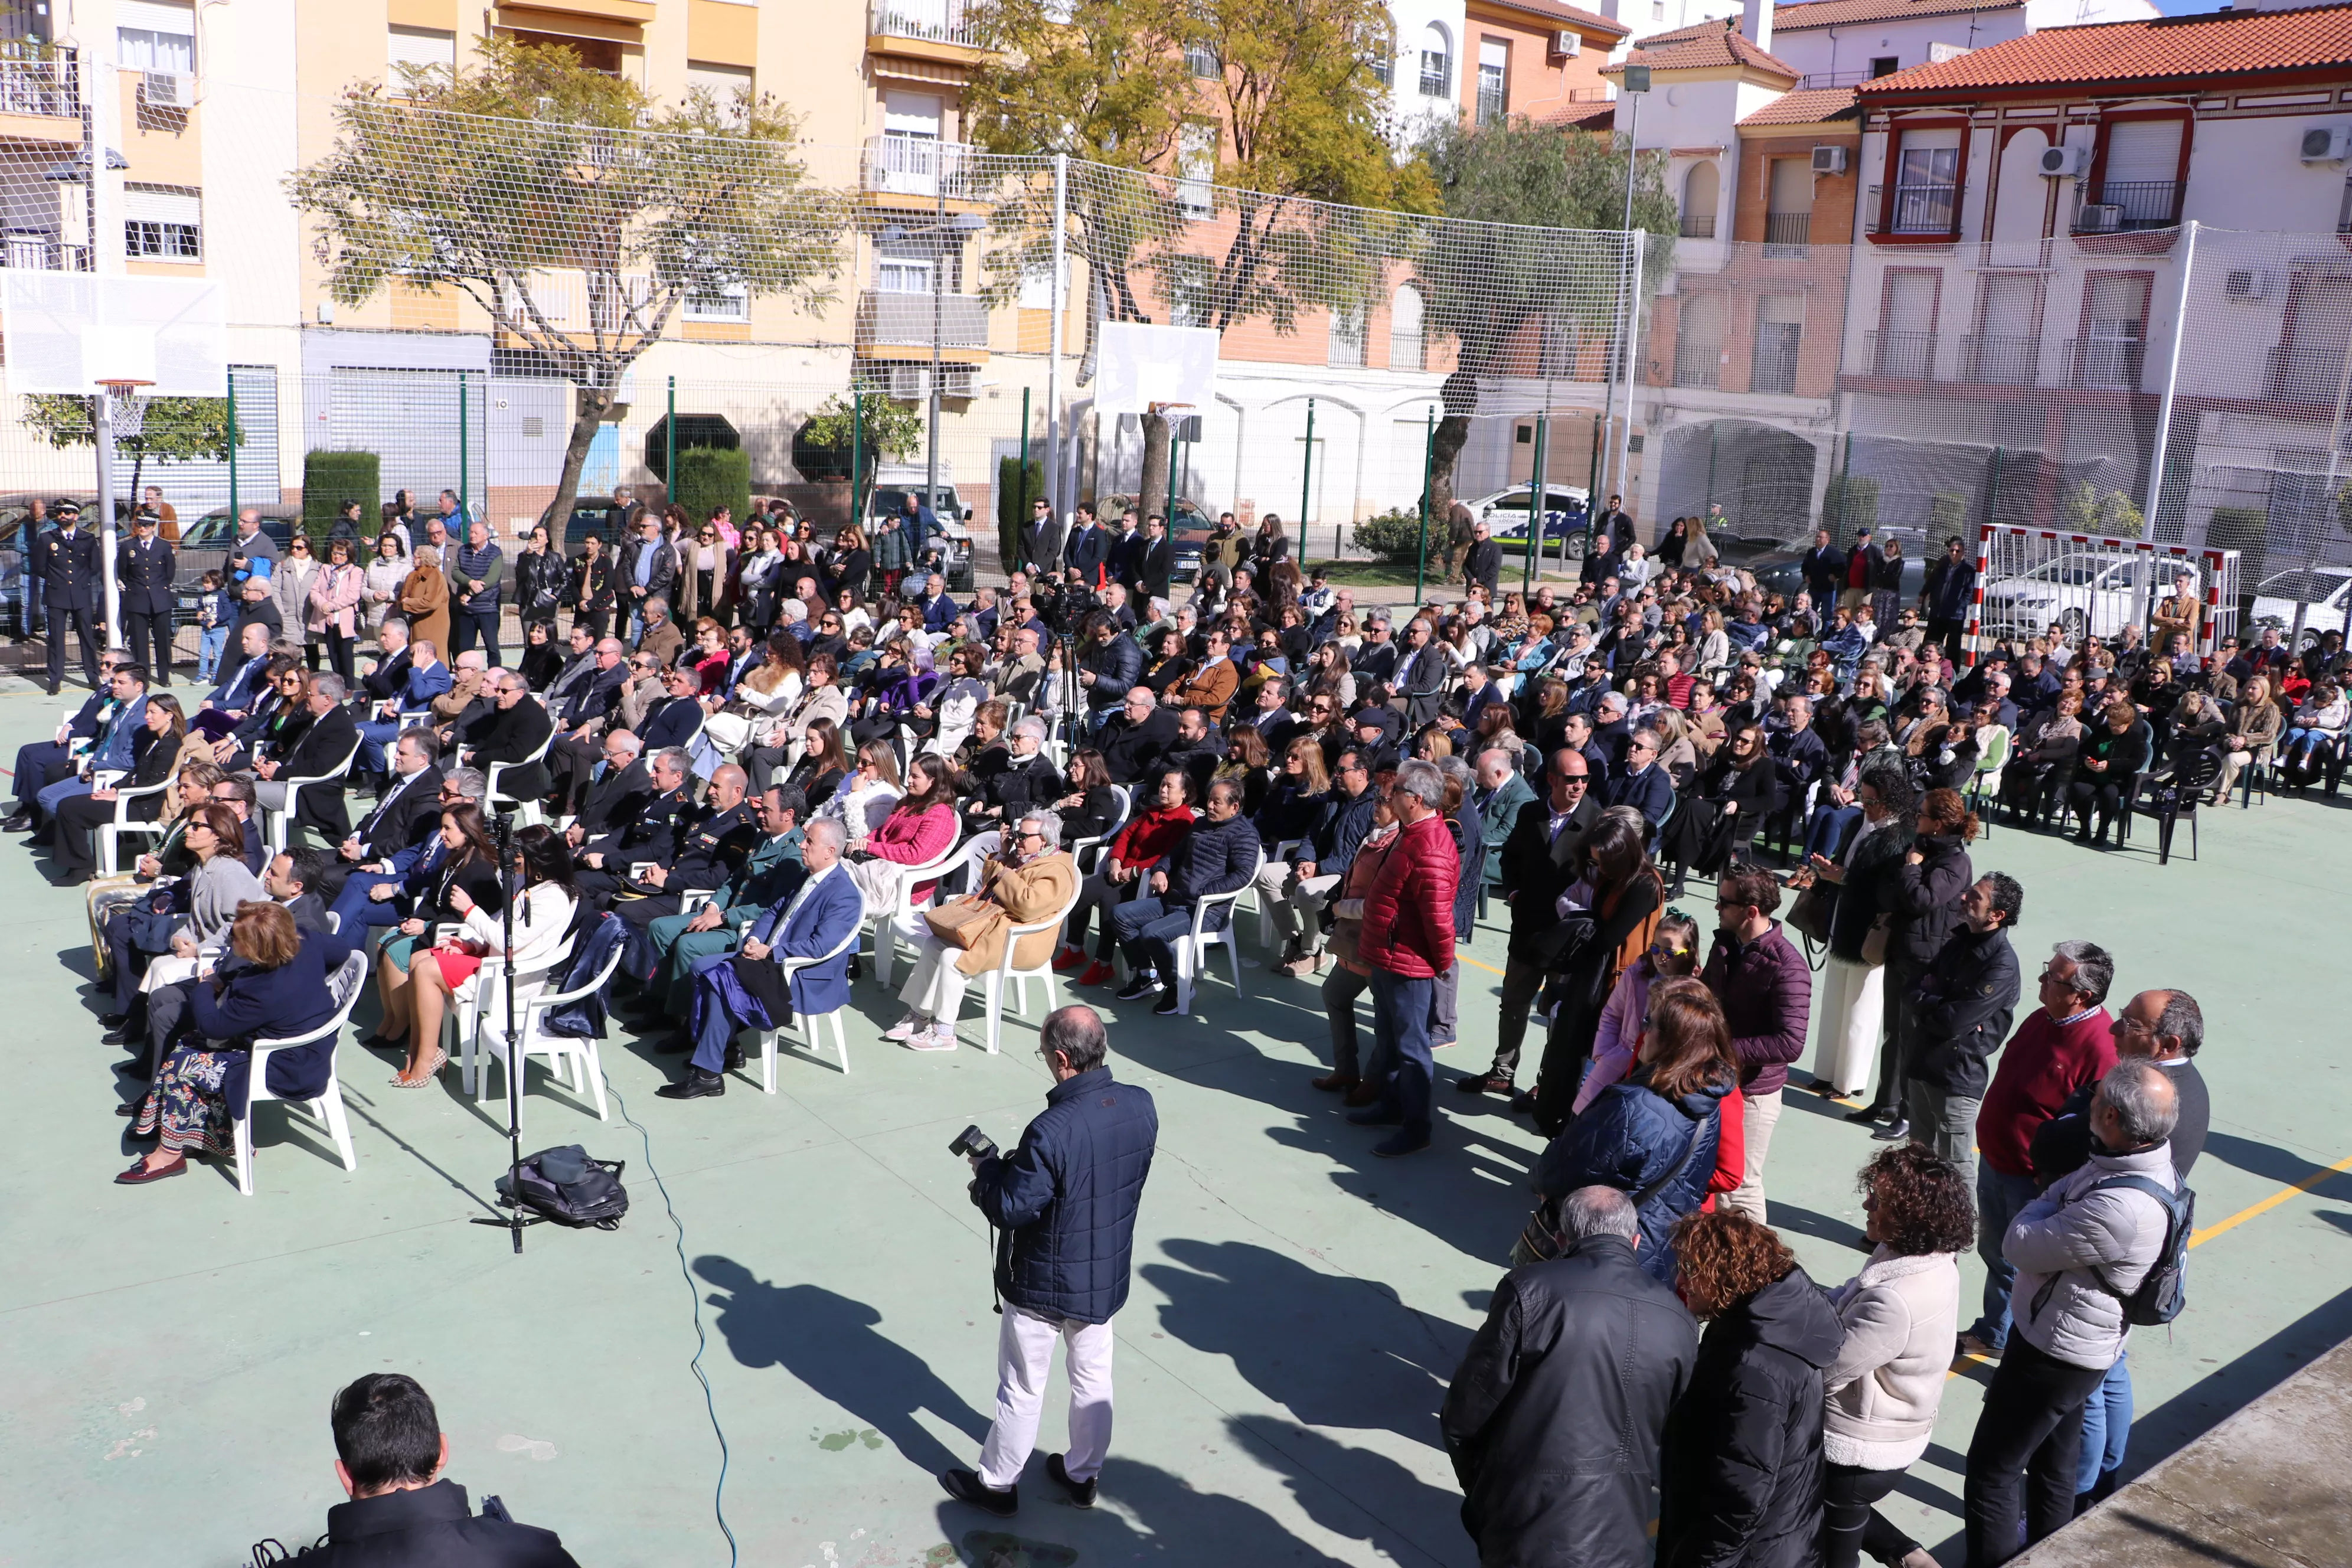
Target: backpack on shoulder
x,y
566,1185
2163,1293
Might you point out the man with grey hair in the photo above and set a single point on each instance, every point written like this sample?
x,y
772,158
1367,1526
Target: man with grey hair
x,y
369,892
325,752
1033,882
515,734
651,834
1554,1418
2081,1250
1407,940
1217,855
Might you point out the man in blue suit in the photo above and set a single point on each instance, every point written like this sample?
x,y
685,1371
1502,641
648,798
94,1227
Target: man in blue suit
x,y
1644,786
411,690
746,990
34,761
111,749
370,893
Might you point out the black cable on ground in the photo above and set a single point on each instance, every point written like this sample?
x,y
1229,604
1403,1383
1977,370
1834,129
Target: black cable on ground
x,y
701,1340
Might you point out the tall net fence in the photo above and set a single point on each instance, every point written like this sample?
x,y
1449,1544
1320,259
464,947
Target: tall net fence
x,y
552,306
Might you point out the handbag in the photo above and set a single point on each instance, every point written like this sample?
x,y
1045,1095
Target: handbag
x,y
1809,915
965,923
1541,1241
1873,946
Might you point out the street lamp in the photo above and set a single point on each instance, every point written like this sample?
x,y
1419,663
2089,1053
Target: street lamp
x,y
961,226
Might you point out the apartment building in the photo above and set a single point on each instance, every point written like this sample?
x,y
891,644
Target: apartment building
x,y
1841,43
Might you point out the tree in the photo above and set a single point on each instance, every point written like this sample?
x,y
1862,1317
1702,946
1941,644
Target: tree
x,y
507,181
177,430
1534,192
2085,509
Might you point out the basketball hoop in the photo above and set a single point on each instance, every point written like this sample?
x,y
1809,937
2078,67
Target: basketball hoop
x,y
126,411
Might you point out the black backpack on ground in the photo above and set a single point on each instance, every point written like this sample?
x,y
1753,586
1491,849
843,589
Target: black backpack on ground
x,y
566,1185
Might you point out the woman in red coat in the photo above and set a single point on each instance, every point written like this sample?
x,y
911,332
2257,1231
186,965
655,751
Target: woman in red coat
x,y
1408,941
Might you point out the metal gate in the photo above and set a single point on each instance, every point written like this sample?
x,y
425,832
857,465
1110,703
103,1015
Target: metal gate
x,y
2031,580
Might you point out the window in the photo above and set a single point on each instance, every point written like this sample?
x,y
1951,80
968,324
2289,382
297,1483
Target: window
x,y
729,86
1494,88
1779,334
1201,58
1189,283
151,36
1701,188
2142,173
1379,47
901,270
1406,349
426,48
1196,170
1436,62
2114,329
1928,182
161,223
1345,349
1884,64
1789,210
1905,344
2008,344
1698,341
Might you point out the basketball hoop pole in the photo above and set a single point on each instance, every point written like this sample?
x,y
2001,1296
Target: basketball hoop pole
x,y
102,410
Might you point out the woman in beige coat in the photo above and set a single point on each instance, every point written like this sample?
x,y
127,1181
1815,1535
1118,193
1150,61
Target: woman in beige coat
x,y
1029,883
1901,1318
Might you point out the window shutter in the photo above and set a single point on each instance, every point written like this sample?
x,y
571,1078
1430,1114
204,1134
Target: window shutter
x,y
160,204
423,46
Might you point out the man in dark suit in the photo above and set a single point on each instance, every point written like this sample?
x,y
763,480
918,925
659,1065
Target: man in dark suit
x,y
673,720
1041,536
372,892
708,855
1155,569
1539,860
1377,660
583,713
329,741
410,805
1088,547
143,572
1422,674
616,794
1123,563
1645,785
34,761
650,835
1272,717
67,564
1825,573
515,728
1134,742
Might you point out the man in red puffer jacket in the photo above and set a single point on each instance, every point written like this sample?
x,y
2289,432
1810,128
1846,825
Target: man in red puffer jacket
x,y
1408,940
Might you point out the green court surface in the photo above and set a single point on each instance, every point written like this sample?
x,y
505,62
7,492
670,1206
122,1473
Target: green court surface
x,y
1298,1305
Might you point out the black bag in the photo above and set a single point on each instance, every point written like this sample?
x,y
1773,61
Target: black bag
x,y
567,1187
2163,1293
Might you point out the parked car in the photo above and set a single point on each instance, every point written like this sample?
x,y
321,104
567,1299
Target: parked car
x,y
1780,568
1504,513
2325,593
2092,591
18,615
203,546
955,517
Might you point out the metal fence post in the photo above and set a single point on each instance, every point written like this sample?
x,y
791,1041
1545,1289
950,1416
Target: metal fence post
x,y
2172,380
1536,498
465,450
856,448
669,457
1428,482
1053,344
1305,479
232,446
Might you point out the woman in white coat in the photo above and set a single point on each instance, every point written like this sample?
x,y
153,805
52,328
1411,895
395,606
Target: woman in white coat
x,y
1902,1316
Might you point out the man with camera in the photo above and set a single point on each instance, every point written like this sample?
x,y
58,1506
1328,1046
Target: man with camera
x,y
1063,1205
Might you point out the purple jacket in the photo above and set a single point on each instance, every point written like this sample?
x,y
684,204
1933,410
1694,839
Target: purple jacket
x,y
1766,989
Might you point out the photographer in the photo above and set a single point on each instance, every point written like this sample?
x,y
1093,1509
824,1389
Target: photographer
x,y
1065,1202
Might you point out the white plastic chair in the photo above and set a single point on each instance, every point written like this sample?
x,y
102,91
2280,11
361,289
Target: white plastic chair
x,y
1192,949
527,812
110,833
485,1009
277,825
886,923
1095,841
328,1107
574,1060
808,1023
1265,932
993,982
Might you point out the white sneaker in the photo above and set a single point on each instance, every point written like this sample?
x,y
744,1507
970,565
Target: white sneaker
x,y
938,1037
911,1024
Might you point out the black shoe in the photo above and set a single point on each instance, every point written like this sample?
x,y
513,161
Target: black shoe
x,y
17,822
1484,1083
733,1061
696,1085
1080,1493
965,1485
678,1042
127,1109
115,1020
1377,1116
1867,1115
1137,989
378,1043
1900,1128
1166,1004
114,1037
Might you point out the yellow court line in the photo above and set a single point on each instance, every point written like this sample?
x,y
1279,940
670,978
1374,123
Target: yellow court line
x,y
2198,1239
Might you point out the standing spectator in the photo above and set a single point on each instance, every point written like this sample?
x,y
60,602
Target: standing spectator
x,y
2079,1251
1741,1470
646,571
334,609
474,589
385,574
2064,1045
1065,1201
540,576
1854,1010
1541,857
425,599
1554,1418
1825,573
1947,596
1887,1382
143,570
1965,1002
390,1452
1484,566
1767,991
1407,941
1923,901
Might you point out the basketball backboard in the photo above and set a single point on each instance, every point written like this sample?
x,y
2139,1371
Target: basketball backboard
x,y
1139,365
67,332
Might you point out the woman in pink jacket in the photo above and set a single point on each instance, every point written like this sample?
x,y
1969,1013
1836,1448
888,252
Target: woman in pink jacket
x,y
1673,953
920,829
333,610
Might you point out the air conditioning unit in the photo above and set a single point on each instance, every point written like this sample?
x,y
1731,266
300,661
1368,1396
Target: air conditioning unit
x,y
1829,159
2064,163
958,381
1567,41
168,90
910,381
2326,144
2246,283
2100,218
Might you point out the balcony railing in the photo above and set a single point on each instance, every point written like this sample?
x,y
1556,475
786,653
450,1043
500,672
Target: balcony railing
x,y
2002,360
1921,209
39,78
2104,364
933,21
1407,351
1904,356
1490,104
906,319
920,166
2306,372
35,251
2146,203
1774,368
1698,226
1698,362
1787,234
1436,78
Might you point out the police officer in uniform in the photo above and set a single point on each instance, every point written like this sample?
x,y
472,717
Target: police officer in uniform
x,y
144,565
68,566
708,856
652,835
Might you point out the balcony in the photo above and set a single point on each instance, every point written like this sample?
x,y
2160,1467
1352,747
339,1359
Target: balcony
x,y
1787,234
2002,361
1407,351
925,21
921,166
2104,364
1903,356
32,251
40,79
1774,368
2127,206
2310,373
1698,362
1698,226
1921,209
905,320
1491,109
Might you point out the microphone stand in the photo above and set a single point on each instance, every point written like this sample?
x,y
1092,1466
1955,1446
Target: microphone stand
x,y
503,834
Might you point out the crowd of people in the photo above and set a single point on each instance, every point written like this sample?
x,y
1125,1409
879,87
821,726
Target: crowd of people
x,y
747,744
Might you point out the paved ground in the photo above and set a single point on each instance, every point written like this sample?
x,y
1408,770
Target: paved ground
x,y
169,1353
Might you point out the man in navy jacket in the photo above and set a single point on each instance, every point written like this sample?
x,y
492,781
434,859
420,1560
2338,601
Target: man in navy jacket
x,y
1064,1206
1218,855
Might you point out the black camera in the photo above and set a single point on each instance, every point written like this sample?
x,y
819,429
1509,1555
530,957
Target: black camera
x,y
973,1144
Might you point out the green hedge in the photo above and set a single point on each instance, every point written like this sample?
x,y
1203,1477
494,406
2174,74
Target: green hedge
x,y
330,479
712,477
1947,517
1016,487
1850,505
1392,535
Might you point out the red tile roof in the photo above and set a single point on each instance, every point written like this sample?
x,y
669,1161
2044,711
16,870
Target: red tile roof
x,y
1603,118
1810,106
1570,16
2203,47
1717,46
1841,13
